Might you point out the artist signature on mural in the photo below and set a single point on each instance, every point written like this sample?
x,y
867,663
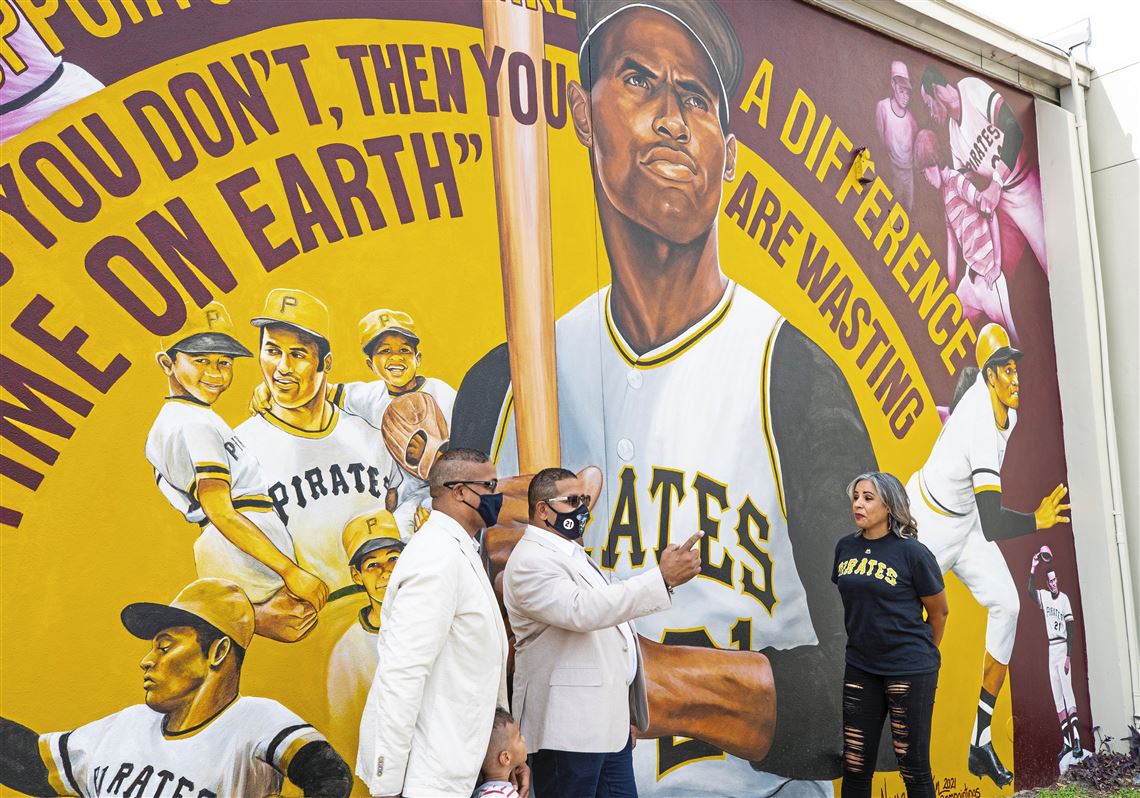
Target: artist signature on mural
x,y
948,787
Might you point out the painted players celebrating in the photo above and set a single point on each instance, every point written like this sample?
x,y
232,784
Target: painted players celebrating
x,y
987,140
195,732
755,464
323,466
1059,628
207,474
956,498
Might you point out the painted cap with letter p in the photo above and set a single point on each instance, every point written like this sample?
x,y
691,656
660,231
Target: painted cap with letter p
x,y
207,331
993,346
369,532
386,320
295,308
221,604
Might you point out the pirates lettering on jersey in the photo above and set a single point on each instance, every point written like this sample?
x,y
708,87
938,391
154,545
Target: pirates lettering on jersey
x,y
988,141
870,567
667,488
334,480
235,447
122,783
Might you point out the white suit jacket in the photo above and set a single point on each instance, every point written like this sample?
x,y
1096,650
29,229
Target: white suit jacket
x,y
442,670
572,663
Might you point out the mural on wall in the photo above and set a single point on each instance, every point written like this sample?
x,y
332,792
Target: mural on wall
x,y
262,262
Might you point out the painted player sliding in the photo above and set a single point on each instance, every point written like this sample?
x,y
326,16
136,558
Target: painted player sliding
x,y
756,467
956,499
1060,629
195,734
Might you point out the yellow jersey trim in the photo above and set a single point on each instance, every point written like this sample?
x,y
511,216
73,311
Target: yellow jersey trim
x,y
55,778
766,421
710,322
305,433
501,431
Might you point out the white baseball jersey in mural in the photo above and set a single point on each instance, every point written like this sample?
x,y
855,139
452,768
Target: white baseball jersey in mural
x,y
244,750
189,442
369,400
966,460
685,445
319,481
1057,612
976,140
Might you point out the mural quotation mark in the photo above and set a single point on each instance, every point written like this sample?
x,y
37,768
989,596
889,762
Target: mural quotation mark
x,y
468,142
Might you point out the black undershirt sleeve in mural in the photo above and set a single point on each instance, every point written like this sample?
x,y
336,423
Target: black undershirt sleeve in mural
x,y
1012,136
320,772
822,444
479,401
1001,523
20,765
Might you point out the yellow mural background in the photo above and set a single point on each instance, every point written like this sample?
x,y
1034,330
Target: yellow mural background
x,y
97,534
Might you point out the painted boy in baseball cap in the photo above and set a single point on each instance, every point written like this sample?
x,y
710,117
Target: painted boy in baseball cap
x,y
207,474
371,545
194,730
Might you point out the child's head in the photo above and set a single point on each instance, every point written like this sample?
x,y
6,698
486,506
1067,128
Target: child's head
x,y
506,749
928,157
372,542
198,360
391,346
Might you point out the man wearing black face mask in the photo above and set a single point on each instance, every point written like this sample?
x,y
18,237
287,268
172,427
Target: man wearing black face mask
x,y
442,669
578,679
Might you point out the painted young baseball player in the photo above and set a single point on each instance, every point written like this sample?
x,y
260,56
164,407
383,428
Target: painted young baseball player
x,y
324,466
983,288
1059,629
372,544
195,734
896,127
957,500
206,472
753,463
987,140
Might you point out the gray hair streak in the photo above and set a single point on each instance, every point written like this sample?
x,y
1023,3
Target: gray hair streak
x,y
899,520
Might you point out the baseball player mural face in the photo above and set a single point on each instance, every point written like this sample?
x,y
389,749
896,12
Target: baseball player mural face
x,y
374,570
292,366
204,376
652,123
395,359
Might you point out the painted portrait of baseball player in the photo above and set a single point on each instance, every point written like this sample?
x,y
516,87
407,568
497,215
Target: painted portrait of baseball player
x,y
206,472
195,734
1060,630
324,466
956,498
372,545
705,391
970,231
896,126
986,141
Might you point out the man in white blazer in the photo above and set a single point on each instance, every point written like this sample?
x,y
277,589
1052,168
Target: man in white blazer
x,y
442,647
578,679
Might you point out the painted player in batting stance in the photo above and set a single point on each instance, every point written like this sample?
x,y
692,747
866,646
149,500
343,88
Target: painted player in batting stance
x,y
707,411
956,498
1059,628
206,472
987,140
195,736
324,466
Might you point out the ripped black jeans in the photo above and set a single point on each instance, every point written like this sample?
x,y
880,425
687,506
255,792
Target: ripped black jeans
x,y
868,700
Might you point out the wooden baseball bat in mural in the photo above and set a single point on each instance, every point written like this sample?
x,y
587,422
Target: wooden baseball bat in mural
x,y
522,191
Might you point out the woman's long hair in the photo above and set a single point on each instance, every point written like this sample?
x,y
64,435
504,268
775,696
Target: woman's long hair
x,y
899,520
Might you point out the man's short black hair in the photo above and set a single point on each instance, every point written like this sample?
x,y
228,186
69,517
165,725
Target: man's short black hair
x,y
317,342
208,633
450,466
544,486
931,77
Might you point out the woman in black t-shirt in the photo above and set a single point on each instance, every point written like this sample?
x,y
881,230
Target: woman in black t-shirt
x,y
886,578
